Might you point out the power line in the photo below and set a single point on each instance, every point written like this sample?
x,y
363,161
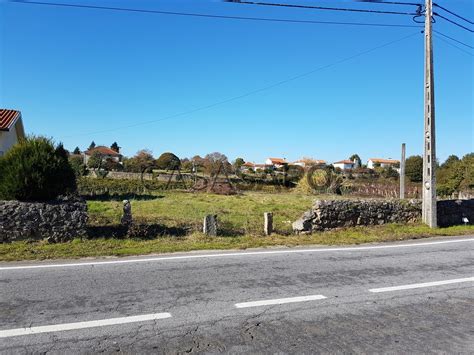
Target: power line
x,y
453,22
453,13
202,15
453,45
320,7
453,39
383,2
256,91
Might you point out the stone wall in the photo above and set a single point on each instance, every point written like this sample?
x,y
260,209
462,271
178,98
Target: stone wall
x,y
329,214
57,221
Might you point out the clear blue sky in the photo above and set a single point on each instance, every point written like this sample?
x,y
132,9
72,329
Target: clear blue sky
x,y
76,74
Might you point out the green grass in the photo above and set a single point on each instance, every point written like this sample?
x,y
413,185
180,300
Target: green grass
x,y
196,241
241,214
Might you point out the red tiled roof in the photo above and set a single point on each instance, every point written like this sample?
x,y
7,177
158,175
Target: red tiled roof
x,y
277,161
344,162
102,150
8,118
384,161
248,164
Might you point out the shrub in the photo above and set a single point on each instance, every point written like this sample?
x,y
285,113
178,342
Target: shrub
x,y
34,170
168,161
78,166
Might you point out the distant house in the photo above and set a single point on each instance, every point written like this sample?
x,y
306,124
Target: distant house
x,y
11,129
276,162
344,164
105,152
252,166
373,162
309,162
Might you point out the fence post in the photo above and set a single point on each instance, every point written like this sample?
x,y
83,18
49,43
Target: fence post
x,y
210,225
268,223
127,214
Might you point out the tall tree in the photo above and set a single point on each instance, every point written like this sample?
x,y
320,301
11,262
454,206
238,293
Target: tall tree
x,y
356,159
115,147
168,161
76,151
92,145
414,168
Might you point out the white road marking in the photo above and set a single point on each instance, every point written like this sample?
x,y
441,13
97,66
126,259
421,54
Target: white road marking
x,y
279,301
81,325
223,255
425,284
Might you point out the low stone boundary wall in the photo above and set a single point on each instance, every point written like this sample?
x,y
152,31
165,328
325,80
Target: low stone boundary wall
x,y
58,221
329,214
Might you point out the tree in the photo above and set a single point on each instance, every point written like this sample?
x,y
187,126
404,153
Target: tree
x,y
214,162
238,163
168,161
35,170
77,164
414,168
95,160
142,161
452,159
76,151
356,159
92,145
115,147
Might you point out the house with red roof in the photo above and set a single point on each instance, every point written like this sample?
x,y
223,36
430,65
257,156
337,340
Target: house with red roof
x,y
276,162
344,164
105,152
11,129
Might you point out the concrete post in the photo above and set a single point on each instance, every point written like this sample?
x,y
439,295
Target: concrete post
x,y
127,214
210,225
268,223
402,173
429,157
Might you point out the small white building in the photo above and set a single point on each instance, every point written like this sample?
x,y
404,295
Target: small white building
x,y
276,162
344,165
304,163
383,163
11,129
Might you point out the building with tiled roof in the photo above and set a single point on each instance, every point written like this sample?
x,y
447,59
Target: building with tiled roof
x,y
344,164
11,129
105,152
276,162
373,162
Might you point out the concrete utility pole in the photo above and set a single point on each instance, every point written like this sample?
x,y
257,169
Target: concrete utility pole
x,y
402,173
429,157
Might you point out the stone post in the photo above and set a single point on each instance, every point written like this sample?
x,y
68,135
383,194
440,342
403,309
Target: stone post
x,y
127,214
268,223
210,225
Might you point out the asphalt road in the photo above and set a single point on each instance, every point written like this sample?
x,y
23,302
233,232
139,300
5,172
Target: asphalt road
x,y
408,297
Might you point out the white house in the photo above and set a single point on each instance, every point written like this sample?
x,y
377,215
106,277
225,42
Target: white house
x,y
344,164
11,129
276,162
105,152
309,162
373,162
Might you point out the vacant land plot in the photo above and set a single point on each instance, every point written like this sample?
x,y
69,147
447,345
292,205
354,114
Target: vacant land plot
x,y
238,214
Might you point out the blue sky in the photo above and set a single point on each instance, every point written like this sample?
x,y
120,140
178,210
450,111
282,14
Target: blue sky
x,y
80,75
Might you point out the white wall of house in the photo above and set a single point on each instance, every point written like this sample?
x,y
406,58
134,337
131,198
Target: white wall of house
x,y
7,140
344,166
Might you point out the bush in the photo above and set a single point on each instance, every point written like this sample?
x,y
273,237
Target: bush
x,y
34,170
168,161
414,168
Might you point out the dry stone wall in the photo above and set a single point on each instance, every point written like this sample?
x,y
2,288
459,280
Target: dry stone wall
x,y
330,214
57,221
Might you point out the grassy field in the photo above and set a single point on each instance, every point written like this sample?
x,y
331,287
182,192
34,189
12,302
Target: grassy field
x,y
196,241
240,214
241,221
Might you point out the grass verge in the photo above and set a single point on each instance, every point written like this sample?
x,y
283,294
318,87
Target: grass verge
x,y
115,247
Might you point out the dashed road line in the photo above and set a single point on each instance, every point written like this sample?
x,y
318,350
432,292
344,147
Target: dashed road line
x,y
279,301
420,285
7,333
